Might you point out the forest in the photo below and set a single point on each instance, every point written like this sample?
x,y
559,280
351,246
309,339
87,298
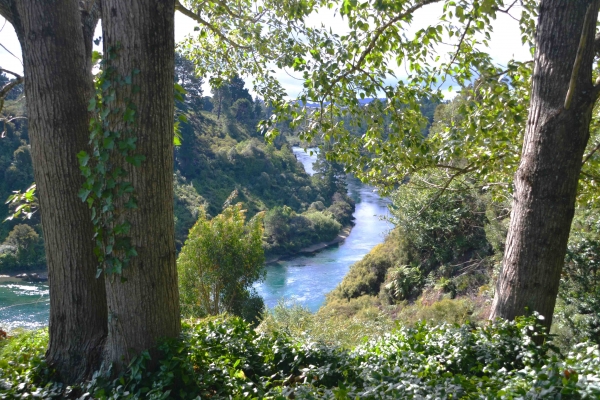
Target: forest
x,y
156,204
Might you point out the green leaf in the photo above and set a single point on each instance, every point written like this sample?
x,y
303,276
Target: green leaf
x,y
83,158
83,194
136,160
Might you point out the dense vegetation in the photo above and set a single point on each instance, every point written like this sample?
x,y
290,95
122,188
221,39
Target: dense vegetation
x,y
441,262
449,189
220,152
225,358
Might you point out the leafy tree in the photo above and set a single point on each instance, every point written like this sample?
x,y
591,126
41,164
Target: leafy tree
x,y
329,175
28,247
185,75
230,92
220,261
339,71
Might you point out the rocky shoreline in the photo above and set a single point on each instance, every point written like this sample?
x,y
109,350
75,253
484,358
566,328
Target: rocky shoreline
x,y
39,276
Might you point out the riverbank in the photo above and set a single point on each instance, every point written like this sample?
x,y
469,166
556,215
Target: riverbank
x,y
343,235
36,276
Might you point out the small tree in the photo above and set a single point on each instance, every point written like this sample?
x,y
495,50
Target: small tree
x,y
220,261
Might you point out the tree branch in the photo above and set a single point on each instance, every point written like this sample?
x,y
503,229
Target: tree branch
x,y
188,13
8,87
91,10
6,10
460,42
439,193
378,32
591,154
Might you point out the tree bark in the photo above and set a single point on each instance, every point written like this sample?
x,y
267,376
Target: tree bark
x,y
58,86
546,180
145,307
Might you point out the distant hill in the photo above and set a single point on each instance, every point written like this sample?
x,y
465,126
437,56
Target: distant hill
x,y
362,102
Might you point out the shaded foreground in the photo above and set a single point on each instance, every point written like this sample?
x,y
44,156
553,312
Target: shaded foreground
x,y
227,358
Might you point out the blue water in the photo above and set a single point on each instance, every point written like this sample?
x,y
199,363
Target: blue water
x,y
23,305
305,280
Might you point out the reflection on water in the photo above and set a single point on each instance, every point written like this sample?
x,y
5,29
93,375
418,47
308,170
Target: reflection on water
x,y
23,305
306,279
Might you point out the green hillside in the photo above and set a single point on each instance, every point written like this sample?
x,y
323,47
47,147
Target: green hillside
x,y
220,154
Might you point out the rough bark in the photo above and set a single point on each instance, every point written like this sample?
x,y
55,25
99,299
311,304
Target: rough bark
x,y
58,86
546,181
145,307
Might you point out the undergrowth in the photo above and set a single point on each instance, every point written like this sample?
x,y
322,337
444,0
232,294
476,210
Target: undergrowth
x,y
224,357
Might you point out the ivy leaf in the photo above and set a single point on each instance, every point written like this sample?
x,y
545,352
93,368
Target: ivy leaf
x,y
128,115
83,194
135,160
83,158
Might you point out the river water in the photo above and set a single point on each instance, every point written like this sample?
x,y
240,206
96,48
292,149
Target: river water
x,y
23,305
304,280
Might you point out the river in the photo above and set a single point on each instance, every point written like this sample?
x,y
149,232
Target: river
x,y
23,305
304,280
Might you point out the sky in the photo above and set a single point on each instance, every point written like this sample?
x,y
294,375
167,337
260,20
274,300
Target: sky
x,y
505,41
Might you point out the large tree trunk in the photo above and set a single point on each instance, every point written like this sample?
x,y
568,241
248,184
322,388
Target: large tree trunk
x,y
145,307
58,85
546,181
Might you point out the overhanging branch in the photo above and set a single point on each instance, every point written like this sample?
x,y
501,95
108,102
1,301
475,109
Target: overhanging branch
x,y
188,13
377,34
9,86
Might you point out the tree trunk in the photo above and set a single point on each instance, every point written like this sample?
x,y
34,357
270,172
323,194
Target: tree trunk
x,y
546,181
145,307
58,85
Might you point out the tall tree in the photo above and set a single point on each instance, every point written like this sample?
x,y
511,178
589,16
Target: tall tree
x,y
562,97
86,327
145,306
57,93
185,75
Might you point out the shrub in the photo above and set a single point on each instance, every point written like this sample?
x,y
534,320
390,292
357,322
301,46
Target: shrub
x,y
220,261
403,281
224,358
367,275
440,228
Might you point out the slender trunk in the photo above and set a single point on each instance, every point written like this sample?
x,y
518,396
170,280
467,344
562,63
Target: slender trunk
x,y
58,85
546,181
145,307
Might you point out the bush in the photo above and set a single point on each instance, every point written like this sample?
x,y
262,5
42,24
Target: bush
x,y
220,261
403,281
446,228
367,275
344,323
